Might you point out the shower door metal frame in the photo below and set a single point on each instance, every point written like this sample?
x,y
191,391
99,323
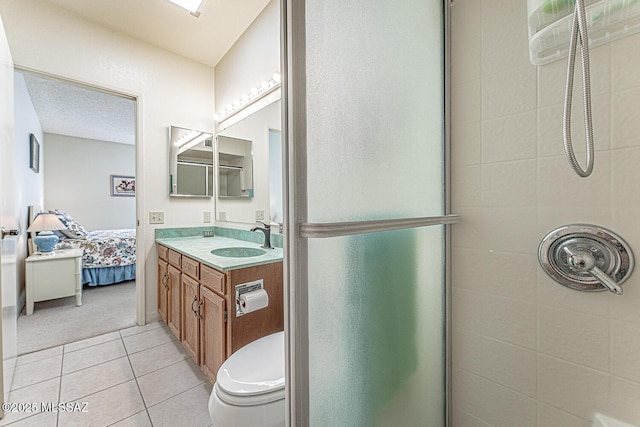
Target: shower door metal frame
x,y
297,230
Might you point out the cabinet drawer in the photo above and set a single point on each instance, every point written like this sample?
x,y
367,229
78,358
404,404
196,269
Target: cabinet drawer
x,y
163,252
213,279
175,258
191,267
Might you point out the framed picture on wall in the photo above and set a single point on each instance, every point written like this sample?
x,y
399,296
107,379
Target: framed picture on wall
x,y
123,186
34,153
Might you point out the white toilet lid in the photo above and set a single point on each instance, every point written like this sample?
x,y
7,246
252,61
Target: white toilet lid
x,y
255,369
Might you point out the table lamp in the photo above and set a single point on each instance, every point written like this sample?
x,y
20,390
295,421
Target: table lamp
x,y
46,240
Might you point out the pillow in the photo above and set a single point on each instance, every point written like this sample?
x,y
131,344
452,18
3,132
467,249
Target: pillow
x,y
74,229
60,234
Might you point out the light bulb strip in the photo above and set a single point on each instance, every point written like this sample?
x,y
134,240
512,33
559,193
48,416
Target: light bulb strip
x,y
259,104
254,96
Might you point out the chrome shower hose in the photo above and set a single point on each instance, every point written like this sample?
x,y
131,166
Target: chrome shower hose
x,y
579,29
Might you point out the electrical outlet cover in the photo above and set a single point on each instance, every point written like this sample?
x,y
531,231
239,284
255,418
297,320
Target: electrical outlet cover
x,y
156,217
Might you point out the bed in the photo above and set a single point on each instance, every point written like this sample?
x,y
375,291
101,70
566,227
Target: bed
x,y
108,256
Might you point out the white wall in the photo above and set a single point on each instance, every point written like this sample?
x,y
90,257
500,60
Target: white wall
x,y
171,90
78,180
29,185
252,59
528,351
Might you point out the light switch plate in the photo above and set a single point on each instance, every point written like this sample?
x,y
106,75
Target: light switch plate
x,y
156,217
260,215
222,216
206,217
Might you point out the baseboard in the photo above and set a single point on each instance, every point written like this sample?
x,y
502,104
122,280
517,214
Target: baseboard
x,y
152,317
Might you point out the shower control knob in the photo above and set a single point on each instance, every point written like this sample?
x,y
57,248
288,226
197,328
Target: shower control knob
x,y
586,258
585,262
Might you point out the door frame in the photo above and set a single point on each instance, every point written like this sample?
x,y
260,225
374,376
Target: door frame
x,y
293,44
135,96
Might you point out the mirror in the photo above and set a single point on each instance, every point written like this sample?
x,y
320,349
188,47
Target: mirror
x,y
262,129
235,167
275,176
190,163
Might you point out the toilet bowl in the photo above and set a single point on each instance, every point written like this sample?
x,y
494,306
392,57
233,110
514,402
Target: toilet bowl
x,y
249,387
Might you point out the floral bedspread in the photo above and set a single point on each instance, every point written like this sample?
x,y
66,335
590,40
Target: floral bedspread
x,y
107,248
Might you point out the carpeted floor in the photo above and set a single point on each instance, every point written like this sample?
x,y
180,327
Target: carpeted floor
x,y
56,322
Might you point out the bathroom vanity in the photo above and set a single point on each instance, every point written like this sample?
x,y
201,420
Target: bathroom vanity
x,y
197,296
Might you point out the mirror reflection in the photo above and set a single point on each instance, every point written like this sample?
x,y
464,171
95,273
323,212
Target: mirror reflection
x,y
262,129
190,163
235,167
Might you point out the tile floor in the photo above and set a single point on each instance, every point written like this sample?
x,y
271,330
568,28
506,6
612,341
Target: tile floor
x,y
140,376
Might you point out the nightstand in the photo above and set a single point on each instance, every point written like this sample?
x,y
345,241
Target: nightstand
x,y
53,276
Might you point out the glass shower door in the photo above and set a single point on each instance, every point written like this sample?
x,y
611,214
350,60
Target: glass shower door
x,y
366,212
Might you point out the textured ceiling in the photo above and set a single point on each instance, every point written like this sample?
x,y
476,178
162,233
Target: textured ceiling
x,y
73,110
68,109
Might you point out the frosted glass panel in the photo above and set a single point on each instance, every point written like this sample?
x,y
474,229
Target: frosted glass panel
x,y
376,327
374,109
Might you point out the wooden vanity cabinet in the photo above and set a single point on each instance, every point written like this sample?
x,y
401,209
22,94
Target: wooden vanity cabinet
x,y
163,287
250,327
213,351
203,316
174,306
190,317
204,308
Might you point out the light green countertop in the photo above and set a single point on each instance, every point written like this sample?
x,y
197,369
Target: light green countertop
x,y
199,248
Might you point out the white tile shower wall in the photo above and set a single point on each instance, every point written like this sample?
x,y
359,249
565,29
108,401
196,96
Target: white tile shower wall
x,y
527,351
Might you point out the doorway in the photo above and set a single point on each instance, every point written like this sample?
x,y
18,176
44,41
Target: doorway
x,y
88,150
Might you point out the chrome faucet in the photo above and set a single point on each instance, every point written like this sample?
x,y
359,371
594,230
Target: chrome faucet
x,y
267,234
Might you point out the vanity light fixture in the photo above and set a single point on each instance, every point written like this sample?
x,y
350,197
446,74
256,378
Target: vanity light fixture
x,y
258,98
189,144
191,5
188,136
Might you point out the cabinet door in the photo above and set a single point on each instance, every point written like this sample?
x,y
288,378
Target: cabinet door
x,y
190,316
212,332
163,288
175,301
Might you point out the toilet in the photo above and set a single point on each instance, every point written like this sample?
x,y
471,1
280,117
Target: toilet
x,y
249,387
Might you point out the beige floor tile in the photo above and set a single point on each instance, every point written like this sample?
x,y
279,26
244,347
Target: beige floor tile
x,y
35,372
43,419
39,355
96,378
155,358
148,339
92,356
46,391
141,419
187,409
79,345
167,382
138,329
106,407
